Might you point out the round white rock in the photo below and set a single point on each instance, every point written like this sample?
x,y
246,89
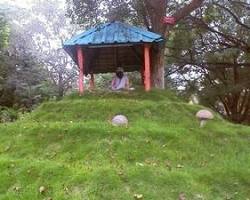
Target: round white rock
x,y
120,120
204,116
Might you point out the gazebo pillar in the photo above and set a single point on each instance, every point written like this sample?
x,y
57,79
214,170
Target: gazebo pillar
x,y
147,75
80,59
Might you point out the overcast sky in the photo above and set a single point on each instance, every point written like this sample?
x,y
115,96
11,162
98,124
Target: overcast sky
x,y
23,3
19,3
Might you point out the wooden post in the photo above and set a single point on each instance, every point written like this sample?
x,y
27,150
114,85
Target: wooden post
x,y
80,58
147,75
92,81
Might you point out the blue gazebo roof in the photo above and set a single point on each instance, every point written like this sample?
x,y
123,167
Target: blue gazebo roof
x,y
113,33
111,44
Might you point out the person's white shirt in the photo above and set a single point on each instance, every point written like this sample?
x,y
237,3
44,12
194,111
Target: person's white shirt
x,y
120,83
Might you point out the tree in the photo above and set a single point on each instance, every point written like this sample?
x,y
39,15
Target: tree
x,y
54,29
141,12
4,35
23,79
47,27
4,32
217,52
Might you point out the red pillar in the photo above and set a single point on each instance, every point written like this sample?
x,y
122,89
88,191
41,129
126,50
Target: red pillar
x,y
147,75
92,82
80,58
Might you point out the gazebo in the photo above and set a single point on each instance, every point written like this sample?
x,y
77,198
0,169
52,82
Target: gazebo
x,y
107,46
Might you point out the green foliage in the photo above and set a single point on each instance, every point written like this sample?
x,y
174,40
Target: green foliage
x,y
103,81
3,43
178,42
211,14
89,12
24,82
4,32
210,52
7,114
70,148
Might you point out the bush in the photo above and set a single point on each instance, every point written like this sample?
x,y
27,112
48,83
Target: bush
x,y
7,114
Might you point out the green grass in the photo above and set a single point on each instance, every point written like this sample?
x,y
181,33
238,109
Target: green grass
x,y
70,148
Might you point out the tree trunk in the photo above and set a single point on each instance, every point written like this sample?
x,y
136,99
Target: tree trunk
x,y
158,69
60,91
60,86
156,10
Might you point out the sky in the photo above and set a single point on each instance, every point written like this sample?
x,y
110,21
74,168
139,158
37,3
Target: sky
x,y
22,3
19,3
27,4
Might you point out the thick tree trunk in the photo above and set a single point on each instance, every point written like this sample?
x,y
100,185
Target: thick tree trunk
x,y
158,69
156,10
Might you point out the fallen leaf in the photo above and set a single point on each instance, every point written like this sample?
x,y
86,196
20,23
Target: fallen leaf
x,y
120,173
138,196
66,189
182,196
139,164
7,148
16,188
42,189
168,165
199,197
179,166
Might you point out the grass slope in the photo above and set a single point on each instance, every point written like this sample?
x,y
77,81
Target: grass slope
x,y
70,148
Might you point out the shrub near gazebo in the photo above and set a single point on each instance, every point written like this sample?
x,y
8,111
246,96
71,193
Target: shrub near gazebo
x,y
105,47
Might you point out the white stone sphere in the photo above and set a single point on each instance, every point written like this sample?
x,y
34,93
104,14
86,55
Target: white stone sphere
x,y
120,120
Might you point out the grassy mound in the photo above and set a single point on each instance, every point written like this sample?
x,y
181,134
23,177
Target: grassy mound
x,y
70,148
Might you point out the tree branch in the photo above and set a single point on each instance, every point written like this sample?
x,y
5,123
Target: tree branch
x,y
186,10
240,43
236,18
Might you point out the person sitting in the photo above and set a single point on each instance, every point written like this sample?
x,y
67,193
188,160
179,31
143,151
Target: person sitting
x,y
120,80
